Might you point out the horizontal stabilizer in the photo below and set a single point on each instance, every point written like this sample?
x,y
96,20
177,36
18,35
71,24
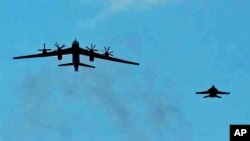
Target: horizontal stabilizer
x,y
86,65
80,64
67,64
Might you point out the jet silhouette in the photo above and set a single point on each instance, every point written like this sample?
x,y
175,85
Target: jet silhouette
x,y
212,92
75,50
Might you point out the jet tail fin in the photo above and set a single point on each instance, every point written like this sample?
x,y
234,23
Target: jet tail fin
x,y
207,96
80,64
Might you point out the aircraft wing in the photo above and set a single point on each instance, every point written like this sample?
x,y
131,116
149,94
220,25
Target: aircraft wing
x,y
220,92
101,56
203,92
52,53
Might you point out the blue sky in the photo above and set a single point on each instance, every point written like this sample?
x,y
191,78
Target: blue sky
x,y
183,46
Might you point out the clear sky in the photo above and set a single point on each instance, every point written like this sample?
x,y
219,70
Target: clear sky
x,y
183,46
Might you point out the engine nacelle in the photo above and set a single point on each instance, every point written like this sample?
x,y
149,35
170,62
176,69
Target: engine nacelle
x,y
59,56
91,58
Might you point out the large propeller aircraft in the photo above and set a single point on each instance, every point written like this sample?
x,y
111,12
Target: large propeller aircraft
x,y
76,51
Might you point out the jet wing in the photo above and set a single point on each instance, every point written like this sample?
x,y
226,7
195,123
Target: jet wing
x,y
203,92
220,92
52,53
101,56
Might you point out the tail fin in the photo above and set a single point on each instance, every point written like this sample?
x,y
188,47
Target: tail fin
x,y
218,96
80,64
207,96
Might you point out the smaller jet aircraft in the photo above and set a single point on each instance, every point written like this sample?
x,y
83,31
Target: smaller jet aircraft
x,y
212,92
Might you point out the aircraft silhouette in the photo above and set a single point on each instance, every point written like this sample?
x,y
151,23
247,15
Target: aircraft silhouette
x,y
44,50
76,51
212,92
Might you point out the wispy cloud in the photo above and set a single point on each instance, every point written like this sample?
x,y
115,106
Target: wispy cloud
x,y
116,6
119,5
49,104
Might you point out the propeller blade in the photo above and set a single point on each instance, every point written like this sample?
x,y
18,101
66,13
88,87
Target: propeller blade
x,y
56,44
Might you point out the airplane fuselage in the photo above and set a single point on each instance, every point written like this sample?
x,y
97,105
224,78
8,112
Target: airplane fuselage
x,y
213,92
76,55
212,95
